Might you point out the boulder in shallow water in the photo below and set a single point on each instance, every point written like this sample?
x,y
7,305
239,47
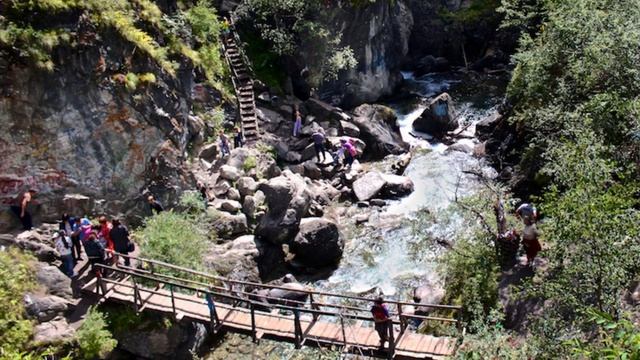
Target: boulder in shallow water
x,y
438,118
368,185
318,243
379,130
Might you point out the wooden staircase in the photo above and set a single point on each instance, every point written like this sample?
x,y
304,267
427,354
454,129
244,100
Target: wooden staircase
x,y
243,86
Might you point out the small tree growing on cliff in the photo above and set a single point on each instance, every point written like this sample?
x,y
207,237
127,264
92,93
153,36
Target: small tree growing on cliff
x,y
94,340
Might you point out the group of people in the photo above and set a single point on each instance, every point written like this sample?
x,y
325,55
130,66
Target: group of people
x,y
238,142
100,241
347,149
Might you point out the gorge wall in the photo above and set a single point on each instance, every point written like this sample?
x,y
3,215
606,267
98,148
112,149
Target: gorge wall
x,y
78,129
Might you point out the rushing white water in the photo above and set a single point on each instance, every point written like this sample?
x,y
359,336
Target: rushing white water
x,y
391,256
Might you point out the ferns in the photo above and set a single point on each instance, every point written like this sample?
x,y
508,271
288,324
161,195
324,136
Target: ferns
x,y
134,20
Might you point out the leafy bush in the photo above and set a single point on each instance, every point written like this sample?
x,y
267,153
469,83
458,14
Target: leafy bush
x,y
94,340
16,278
176,238
192,202
249,163
617,339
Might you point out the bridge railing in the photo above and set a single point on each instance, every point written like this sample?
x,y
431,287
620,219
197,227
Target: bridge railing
x,y
222,289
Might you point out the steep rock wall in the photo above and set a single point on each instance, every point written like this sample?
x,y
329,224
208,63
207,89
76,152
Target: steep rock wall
x,y
379,35
78,130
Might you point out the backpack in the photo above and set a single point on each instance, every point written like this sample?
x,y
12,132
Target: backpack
x,y
352,150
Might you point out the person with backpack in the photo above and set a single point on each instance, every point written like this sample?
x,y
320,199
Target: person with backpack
x,y
121,242
95,251
63,246
318,143
349,152
382,320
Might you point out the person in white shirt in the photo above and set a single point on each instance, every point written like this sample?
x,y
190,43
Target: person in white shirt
x,y
64,247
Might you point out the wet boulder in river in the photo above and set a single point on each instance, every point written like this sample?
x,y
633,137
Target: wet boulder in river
x,y
318,244
438,118
378,129
385,186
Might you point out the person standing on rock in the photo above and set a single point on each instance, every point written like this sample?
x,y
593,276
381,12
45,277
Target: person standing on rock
x,y
382,320
318,143
297,125
348,151
121,242
156,207
63,246
224,144
20,207
238,139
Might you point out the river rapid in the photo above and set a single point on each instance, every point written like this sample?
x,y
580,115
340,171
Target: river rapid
x,y
396,250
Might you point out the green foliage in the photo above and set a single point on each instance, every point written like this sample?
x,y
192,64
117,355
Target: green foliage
x,y
492,341
301,28
16,278
478,10
175,238
617,339
165,39
250,163
94,340
264,61
192,202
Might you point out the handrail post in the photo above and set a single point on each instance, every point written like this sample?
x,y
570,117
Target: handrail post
x,y
173,301
392,344
98,284
297,329
135,294
403,319
254,334
313,307
344,333
214,321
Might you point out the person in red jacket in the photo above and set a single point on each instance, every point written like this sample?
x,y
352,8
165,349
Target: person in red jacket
x,y
382,320
105,232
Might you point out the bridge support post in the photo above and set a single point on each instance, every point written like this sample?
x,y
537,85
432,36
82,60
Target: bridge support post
x,y
297,329
313,306
403,320
136,295
254,334
214,321
392,341
173,301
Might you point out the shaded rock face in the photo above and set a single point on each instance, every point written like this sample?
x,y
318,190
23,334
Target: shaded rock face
x,y
379,34
176,342
379,131
438,118
287,199
318,243
77,130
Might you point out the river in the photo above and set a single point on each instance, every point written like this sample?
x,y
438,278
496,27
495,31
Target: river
x,y
397,251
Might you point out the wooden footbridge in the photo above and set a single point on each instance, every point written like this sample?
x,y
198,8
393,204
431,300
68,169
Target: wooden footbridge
x,y
322,319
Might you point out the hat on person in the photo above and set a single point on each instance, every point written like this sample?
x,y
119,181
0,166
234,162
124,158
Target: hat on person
x,y
85,221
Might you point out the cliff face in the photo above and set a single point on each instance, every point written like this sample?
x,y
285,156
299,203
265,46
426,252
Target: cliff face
x,y
379,36
79,130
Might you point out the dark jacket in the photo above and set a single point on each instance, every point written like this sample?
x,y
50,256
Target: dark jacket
x,y
120,237
94,249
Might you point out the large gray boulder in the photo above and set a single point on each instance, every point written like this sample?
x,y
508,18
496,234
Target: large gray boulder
x,y
438,118
229,225
53,333
318,244
44,307
287,199
54,281
230,173
236,259
386,186
486,126
378,129
246,186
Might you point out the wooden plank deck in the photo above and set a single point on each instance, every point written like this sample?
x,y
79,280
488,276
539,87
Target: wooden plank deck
x,y
275,326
